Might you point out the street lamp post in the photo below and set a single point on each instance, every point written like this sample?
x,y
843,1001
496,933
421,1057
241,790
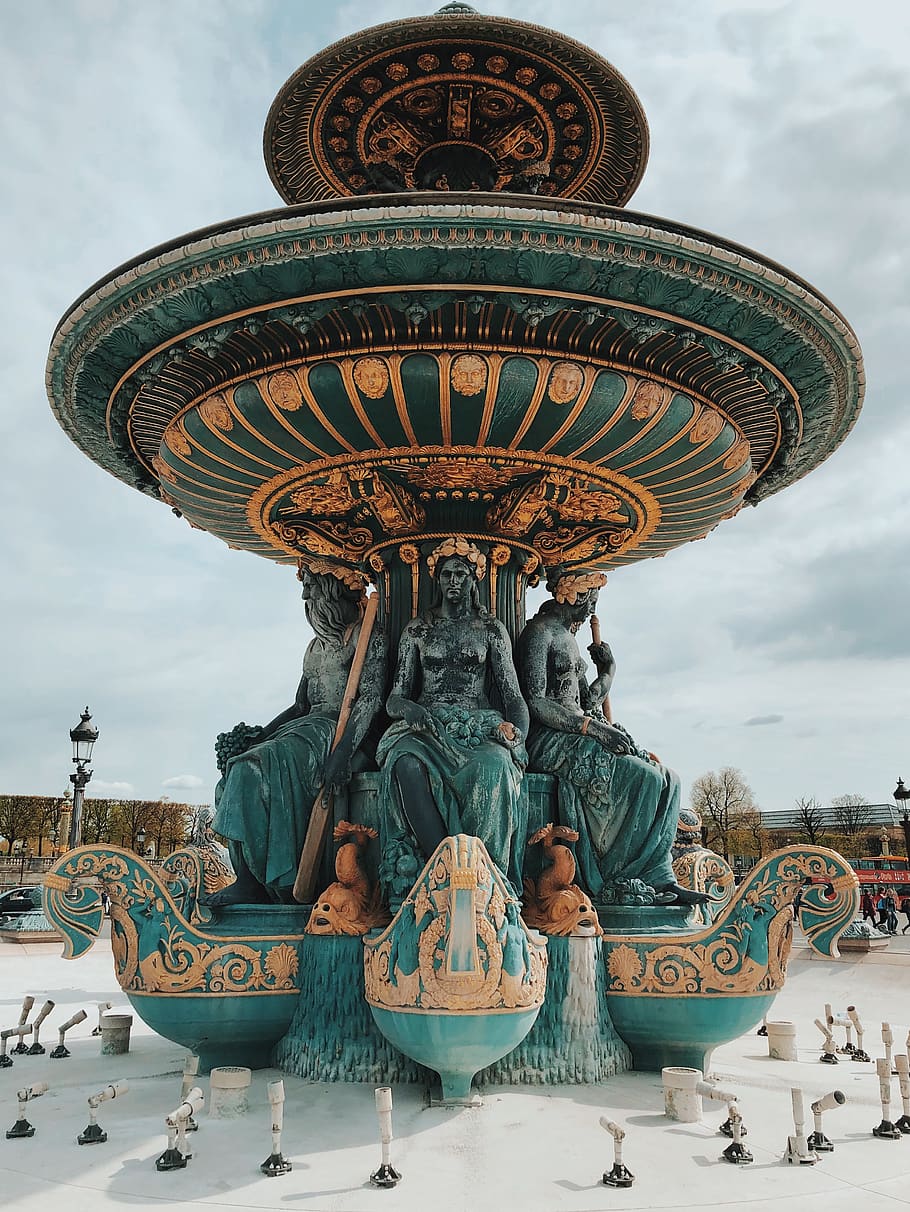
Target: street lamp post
x,y
901,796
83,737
26,854
139,845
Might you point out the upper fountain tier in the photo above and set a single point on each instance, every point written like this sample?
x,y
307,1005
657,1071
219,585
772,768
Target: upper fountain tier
x,y
458,101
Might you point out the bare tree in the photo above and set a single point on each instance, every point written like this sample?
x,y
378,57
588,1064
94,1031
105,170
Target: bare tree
x,y
726,804
810,818
18,818
97,821
853,814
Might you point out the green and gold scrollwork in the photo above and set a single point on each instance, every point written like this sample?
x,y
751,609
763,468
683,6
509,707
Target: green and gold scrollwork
x,y
156,936
745,950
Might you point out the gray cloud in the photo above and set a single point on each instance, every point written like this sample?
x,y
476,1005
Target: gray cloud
x,y
757,721
184,782
778,125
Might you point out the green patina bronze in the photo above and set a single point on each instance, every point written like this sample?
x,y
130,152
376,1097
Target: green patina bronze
x,y
453,366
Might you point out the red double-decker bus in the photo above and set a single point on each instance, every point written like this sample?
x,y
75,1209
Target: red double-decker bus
x,y
883,871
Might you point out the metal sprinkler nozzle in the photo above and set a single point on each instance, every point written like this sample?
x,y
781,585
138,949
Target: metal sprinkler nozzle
x,y
386,1175
902,1065
22,1127
886,1130
859,1053
93,1134
798,1149
177,1153
817,1139
619,1175
276,1163
21,1029
37,1048
736,1153
828,1057
61,1051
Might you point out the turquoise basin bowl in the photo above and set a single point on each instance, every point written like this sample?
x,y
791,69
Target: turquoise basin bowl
x,y
455,1045
226,1029
679,1030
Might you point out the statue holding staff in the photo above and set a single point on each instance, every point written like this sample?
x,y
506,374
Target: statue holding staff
x,y
452,762
623,803
266,795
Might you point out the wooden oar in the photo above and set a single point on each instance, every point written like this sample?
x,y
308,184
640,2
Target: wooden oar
x,y
314,842
595,636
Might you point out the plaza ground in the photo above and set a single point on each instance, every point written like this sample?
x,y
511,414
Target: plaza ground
x,y
530,1148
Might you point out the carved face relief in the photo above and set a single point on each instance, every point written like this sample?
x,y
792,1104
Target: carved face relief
x,y
565,382
372,377
285,391
469,375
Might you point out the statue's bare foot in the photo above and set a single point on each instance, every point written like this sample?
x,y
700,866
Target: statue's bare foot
x,y
675,894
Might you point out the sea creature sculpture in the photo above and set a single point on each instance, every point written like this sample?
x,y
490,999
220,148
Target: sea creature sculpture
x,y
555,904
352,905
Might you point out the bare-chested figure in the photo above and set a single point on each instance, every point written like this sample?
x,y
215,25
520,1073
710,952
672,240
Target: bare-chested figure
x,y
266,795
622,802
451,763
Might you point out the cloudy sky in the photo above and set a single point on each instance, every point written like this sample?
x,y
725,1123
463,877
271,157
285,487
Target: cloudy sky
x,y
780,644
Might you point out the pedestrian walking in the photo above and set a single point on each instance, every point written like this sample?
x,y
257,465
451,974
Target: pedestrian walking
x,y
891,912
867,907
905,910
881,908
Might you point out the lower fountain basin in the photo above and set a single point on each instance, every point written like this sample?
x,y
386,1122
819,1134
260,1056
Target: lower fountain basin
x,y
455,1045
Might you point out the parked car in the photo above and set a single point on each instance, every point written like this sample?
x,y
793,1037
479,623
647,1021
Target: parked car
x,y
20,900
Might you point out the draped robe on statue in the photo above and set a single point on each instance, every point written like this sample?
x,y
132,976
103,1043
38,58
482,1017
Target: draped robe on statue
x,y
625,809
264,801
475,781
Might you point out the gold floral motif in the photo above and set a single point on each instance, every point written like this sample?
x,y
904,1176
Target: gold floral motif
x,y
163,470
285,391
624,967
448,475
214,411
575,585
333,496
706,428
469,375
333,542
457,545
372,377
579,544
408,553
348,576
648,399
177,442
500,555
566,381
459,894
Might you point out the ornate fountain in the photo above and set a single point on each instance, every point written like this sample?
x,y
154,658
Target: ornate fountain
x,y
454,353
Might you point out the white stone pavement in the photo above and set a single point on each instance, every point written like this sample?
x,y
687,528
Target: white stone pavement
x,y
534,1149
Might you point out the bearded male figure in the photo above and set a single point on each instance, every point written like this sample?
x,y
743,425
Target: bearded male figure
x,y
622,802
264,800
451,762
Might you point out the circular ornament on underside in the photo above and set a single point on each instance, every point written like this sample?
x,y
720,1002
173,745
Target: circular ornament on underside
x,y
457,102
347,507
